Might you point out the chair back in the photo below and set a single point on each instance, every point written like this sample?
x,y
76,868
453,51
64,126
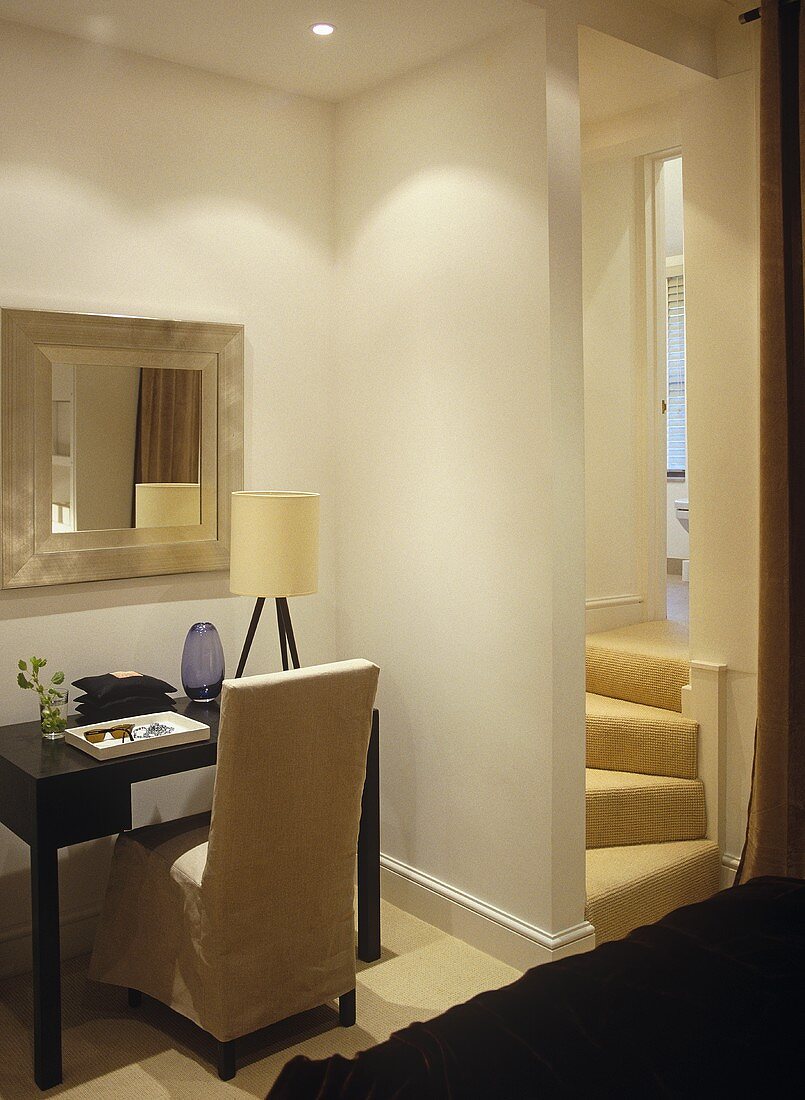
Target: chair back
x,y
278,884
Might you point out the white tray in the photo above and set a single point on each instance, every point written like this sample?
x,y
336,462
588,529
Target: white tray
x,y
184,730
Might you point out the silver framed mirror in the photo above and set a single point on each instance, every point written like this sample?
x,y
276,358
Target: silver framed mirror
x,y
122,443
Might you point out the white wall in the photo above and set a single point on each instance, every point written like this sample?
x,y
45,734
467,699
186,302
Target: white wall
x,y
614,391
444,430
137,186
132,185
719,136
621,490
716,128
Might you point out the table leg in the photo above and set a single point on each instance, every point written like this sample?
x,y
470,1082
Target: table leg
x,y
369,853
47,965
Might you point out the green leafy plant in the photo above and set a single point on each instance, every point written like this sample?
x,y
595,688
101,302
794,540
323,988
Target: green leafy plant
x,y
51,698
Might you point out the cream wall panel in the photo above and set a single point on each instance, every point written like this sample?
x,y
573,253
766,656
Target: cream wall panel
x,y
614,367
719,144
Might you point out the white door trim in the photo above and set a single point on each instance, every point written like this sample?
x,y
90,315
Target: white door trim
x,y
656,387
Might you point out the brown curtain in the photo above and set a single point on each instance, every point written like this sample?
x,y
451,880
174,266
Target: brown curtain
x,y
168,426
775,842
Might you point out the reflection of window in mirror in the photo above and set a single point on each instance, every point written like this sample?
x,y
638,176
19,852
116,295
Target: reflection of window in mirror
x,y
126,447
62,449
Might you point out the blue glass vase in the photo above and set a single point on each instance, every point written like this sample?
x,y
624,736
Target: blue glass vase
x,y
202,663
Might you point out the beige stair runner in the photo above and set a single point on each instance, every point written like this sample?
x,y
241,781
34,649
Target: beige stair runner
x,y
646,824
638,884
623,808
629,737
646,663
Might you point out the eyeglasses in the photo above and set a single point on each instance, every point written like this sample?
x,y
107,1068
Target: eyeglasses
x,y
118,733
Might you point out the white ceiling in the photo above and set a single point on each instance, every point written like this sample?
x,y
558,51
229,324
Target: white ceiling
x,y
707,12
616,77
269,41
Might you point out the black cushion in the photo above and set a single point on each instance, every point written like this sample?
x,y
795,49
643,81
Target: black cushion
x,y
118,685
91,700
124,708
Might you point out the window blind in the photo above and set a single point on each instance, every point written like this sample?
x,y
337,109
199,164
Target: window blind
x,y
675,328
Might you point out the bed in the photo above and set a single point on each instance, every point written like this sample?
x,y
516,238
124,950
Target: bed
x,y
708,1000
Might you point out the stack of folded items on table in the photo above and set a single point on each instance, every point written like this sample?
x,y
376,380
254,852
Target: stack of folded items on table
x,y
121,695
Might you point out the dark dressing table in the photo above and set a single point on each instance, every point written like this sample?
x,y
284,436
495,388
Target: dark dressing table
x,y
53,795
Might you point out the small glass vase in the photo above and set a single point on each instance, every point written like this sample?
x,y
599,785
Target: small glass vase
x,y
202,663
53,717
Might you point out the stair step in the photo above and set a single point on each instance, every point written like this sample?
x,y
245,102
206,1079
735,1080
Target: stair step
x,y
632,737
648,663
625,808
637,884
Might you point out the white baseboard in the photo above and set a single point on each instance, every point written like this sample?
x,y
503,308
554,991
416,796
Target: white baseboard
x,y
477,923
608,612
596,602
77,935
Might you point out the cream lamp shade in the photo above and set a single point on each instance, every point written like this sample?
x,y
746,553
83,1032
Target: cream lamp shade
x,y
166,504
274,546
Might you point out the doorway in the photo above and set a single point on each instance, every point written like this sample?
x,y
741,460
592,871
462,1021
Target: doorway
x,y
668,407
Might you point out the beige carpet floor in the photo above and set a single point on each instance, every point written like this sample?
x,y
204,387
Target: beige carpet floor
x,y
112,1052
678,600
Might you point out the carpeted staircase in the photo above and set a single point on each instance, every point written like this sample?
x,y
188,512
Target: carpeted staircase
x,y
646,846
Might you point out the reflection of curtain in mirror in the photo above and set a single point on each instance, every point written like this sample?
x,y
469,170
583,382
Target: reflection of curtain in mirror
x,y
168,426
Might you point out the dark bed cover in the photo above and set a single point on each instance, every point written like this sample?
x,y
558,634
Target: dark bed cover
x,y
710,1001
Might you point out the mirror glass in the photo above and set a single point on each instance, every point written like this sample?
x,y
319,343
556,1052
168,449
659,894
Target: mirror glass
x,y
126,446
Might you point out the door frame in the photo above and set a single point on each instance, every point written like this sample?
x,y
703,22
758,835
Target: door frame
x,y
656,387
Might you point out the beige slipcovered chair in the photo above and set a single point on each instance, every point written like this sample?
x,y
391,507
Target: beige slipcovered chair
x,y
244,917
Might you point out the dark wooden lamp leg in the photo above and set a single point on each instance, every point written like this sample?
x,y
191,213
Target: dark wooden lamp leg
x,y
226,1060
135,998
284,615
346,1009
284,627
247,645
282,636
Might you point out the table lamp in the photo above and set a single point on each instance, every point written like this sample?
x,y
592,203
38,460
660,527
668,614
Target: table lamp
x,y
274,551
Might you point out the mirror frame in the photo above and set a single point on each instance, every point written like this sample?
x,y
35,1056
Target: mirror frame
x,y
32,555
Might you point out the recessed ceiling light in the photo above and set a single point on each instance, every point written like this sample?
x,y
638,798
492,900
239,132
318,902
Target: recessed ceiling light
x,y
101,28
322,29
